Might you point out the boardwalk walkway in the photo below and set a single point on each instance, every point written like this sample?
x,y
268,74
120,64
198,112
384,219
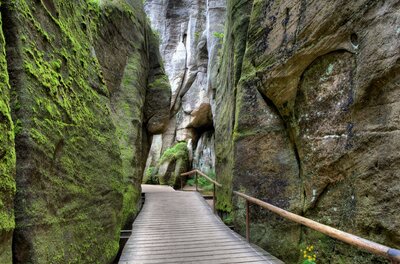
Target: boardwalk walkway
x,y
179,227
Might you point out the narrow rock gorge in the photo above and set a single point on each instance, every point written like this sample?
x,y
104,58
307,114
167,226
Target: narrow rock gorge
x,y
296,103
191,34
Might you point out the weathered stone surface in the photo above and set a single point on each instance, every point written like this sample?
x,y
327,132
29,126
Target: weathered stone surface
x,y
229,73
327,73
66,149
172,163
79,78
265,166
204,153
132,71
7,159
158,97
191,35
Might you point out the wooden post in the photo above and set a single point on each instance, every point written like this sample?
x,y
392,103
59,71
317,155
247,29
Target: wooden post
x,y
214,200
181,183
248,221
195,180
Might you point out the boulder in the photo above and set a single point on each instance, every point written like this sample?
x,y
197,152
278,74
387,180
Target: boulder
x,y
172,163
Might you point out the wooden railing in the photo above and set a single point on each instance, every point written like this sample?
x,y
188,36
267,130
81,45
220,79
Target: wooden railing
x,y
375,248
195,172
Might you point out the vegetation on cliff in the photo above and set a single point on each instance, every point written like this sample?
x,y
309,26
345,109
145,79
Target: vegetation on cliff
x,y
7,159
79,162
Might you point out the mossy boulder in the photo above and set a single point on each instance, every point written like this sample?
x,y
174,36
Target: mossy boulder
x,y
173,162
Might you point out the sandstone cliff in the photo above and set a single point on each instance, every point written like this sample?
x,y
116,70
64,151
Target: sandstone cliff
x,y
307,119
191,34
83,78
294,102
303,98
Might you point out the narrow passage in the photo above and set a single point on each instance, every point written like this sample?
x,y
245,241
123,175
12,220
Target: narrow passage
x,y
179,227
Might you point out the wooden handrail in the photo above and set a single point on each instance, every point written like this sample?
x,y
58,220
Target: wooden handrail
x,y
378,249
375,248
202,174
215,183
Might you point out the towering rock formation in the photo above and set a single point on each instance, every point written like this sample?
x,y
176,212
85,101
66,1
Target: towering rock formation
x,y
307,119
301,100
191,35
87,93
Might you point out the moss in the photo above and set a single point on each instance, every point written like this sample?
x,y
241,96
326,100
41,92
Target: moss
x,y
85,145
128,117
176,158
159,82
176,152
7,160
63,117
150,176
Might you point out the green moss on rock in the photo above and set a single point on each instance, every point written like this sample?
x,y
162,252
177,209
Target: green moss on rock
x,y
70,188
7,160
178,151
172,163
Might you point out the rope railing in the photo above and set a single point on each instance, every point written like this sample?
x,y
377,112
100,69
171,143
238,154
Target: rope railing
x,y
390,253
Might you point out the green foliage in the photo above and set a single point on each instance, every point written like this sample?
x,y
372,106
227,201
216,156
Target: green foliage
x,y
309,255
219,35
228,219
94,2
202,182
197,36
150,176
178,151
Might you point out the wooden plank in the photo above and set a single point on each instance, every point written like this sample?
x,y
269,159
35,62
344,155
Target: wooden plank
x,y
179,227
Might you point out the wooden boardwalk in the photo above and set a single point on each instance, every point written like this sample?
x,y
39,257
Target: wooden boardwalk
x,y
179,227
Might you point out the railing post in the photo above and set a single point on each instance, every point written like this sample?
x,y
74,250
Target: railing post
x,y
214,200
196,181
248,221
181,183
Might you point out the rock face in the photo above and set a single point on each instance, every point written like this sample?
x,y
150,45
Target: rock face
x,y
84,77
140,95
7,159
307,118
191,35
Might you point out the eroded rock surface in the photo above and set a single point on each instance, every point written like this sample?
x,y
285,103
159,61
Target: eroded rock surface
x,y
308,120
191,34
83,78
